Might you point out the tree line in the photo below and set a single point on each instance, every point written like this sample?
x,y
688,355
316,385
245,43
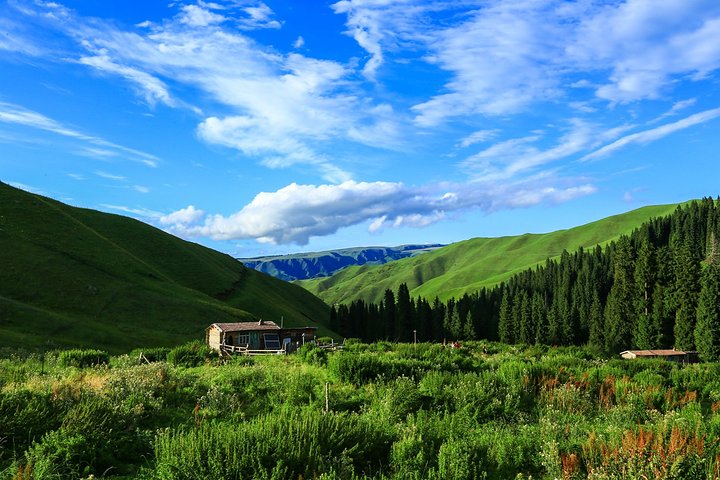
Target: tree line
x,y
658,287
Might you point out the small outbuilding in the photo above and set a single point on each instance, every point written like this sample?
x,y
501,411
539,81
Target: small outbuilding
x,y
673,355
256,337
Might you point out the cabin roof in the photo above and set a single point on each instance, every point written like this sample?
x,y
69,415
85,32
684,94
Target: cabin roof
x,y
655,353
265,326
246,326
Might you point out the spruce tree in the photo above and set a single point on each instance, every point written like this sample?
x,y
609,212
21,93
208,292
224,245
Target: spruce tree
x,y
620,306
644,332
539,319
506,329
707,329
526,325
468,330
687,274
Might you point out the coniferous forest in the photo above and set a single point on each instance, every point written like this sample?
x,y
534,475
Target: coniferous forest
x,y
656,288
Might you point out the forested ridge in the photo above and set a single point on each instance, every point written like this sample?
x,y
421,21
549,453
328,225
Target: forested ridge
x,y
659,287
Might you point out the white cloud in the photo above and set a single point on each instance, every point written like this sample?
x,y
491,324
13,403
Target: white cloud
x,y
153,89
504,56
197,16
478,136
518,157
183,216
677,107
141,188
110,176
654,134
296,213
298,43
645,44
259,16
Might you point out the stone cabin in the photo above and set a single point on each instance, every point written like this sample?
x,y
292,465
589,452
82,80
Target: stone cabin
x,y
258,337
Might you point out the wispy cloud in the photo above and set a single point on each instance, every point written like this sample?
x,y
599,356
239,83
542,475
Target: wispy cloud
x,y
15,114
282,109
504,56
143,213
654,134
110,176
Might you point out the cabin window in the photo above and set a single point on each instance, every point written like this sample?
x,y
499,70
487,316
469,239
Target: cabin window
x,y
243,339
272,341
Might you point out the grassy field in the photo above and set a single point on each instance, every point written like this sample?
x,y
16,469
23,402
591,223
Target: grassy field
x,y
373,411
467,266
78,277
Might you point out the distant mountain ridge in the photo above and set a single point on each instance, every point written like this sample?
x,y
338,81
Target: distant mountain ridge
x,y
302,266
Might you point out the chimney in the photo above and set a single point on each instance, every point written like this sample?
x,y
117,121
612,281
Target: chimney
x,y
261,322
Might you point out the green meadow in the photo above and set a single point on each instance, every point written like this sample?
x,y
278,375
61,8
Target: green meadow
x,y
372,411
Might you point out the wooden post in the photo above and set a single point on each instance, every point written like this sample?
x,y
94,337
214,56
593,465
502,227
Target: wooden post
x,y
327,397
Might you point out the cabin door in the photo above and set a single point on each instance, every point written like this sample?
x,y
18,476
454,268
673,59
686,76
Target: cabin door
x,y
254,341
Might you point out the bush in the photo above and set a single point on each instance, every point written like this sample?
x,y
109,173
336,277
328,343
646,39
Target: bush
x,y
301,444
83,358
190,354
312,354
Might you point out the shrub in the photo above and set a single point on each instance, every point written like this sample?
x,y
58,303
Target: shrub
x,y
25,416
83,358
312,354
302,444
190,354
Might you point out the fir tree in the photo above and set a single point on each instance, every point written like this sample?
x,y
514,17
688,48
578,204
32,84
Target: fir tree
x,y
620,306
687,273
644,333
506,329
707,329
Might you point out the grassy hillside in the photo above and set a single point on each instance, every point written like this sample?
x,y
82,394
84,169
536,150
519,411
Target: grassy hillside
x,y
73,276
465,267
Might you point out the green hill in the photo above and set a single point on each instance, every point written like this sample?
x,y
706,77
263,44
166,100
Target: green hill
x,y
467,266
78,277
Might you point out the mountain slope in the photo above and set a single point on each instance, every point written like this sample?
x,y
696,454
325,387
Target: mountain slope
x,y
303,266
73,276
467,266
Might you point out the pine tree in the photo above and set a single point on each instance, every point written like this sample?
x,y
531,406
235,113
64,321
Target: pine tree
x,y
526,325
405,315
620,306
389,315
539,319
707,329
506,329
596,322
468,330
687,274
644,333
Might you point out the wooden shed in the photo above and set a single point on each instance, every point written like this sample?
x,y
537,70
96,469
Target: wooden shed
x,y
673,355
256,337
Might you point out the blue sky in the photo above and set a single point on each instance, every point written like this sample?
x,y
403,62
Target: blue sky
x,y
276,127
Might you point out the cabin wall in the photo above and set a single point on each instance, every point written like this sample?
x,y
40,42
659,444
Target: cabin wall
x,y
212,337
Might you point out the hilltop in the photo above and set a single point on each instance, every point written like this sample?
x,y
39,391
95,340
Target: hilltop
x,y
467,266
79,277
